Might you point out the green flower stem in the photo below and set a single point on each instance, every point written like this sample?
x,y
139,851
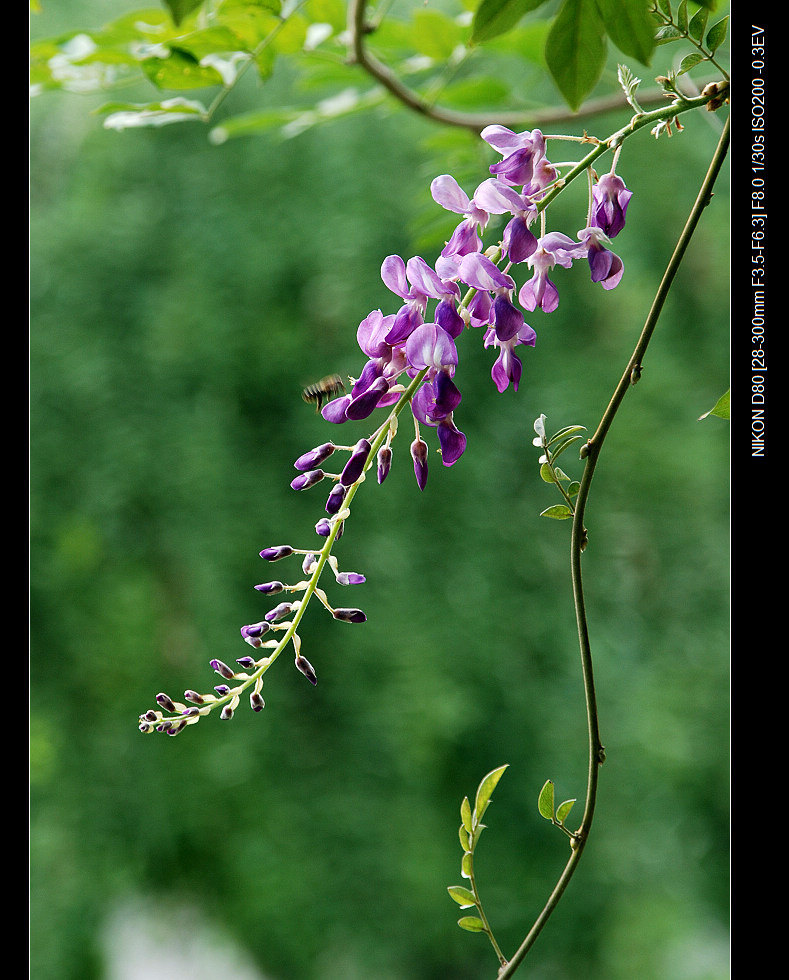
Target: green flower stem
x,y
311,588
637,122
593,446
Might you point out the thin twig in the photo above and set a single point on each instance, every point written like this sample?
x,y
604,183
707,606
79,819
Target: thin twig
x,y
593,447
358,54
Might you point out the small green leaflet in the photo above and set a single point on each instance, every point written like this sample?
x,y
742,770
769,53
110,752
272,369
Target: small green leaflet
x,y
495,17
720,408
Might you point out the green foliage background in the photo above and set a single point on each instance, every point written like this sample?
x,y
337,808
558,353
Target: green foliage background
x,y
181,294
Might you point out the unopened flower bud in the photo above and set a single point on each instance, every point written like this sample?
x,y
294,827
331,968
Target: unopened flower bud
x,y
246,662
315,456
226,713
336,497
222,669
306,668
194,697
222,690
165,702
355,465
252,634
150,715
270,588
279,612
350,578
256,702
277,552
307,480
384,462
350,615
419,456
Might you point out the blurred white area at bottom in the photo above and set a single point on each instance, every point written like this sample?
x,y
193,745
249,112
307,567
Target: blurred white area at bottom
x,y
146,940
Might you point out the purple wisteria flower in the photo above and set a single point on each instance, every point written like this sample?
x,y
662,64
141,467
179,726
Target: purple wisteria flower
x,y
465,238
606,267
610,201
552,249
524,162
498,198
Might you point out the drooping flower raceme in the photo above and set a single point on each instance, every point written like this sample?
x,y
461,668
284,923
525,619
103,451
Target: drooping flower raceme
x,y
411,362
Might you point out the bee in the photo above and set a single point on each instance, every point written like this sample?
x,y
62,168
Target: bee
x,y
323,390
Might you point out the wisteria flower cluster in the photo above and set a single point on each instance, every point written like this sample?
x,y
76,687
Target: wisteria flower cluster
x,y
412,358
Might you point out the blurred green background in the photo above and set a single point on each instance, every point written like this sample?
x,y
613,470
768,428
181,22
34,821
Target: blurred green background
x,y
181,295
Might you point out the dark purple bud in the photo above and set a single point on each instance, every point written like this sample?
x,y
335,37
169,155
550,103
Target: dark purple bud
x,y
149,716
307,669
419,456
256,701
315,457
226,713
279,612
364,405
222,690
350,578
323,527
175,729
165,702
350,615
307,564
355,465
246,662
335,499
194,697
253,633
384,463
270,588
307,480
145,727
222,668
190,712
277,552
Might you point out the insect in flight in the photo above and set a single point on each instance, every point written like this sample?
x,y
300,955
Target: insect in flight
x,y
323,390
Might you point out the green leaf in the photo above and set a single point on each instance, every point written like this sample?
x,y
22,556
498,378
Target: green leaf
x,y
566,431
495,17
465,865
630,26
465,814
573,488
180,70
698,22
545,800
717,35
667,34
690,61
547,473
682,16
563,810
471,923
462,896
575,50
485,790
559,512
465,840
564,445
179,9
720,408
125,115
